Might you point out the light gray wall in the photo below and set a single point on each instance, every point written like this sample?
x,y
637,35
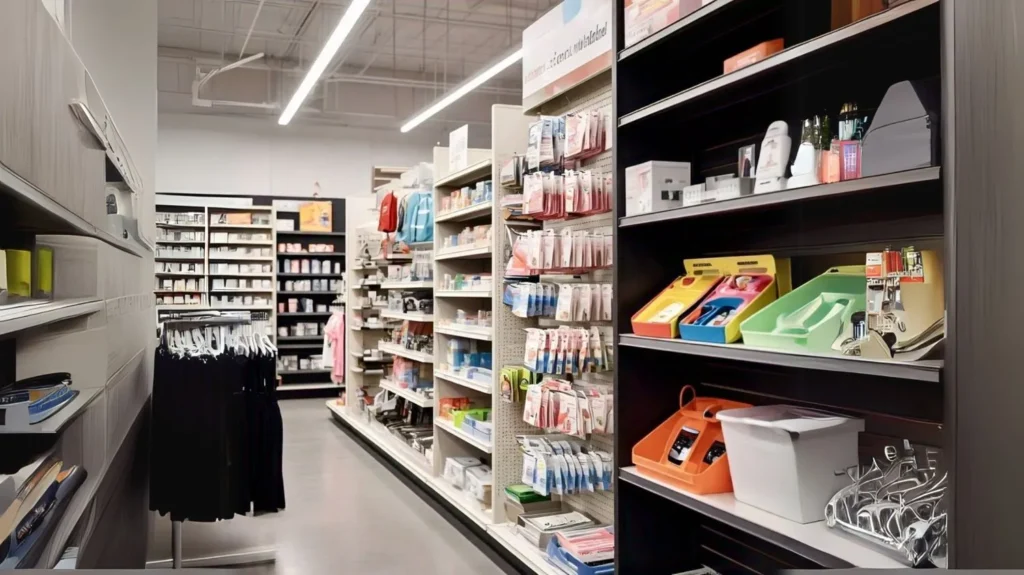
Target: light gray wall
x,y
117,41
199,154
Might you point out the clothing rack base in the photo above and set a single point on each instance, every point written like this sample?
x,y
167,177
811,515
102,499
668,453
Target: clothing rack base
x,y
251,557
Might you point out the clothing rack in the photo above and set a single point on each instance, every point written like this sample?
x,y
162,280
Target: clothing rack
x,y
200,319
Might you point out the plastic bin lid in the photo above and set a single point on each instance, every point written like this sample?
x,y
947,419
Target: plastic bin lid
x,y
791,419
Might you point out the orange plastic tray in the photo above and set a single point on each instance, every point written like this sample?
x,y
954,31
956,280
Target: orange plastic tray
x,y
650,454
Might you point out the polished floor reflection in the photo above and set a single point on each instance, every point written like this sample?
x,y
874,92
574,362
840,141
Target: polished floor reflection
x,y
346,513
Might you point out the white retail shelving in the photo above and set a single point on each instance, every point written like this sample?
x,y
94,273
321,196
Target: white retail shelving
x,y
417,284
407,316
463,293
395,349
463,435
481,210
28,314
463,381
468,332
473,252
417,398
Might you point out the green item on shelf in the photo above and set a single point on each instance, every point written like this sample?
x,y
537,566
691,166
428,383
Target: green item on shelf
x,y
815,317
524,494
478,413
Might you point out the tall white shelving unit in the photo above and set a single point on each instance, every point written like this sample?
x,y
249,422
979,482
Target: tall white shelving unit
x,y
505,339
210,213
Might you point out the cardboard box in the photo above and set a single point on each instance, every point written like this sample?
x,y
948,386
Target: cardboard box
x,y
316,217
238,218
655,186
645,17
753,55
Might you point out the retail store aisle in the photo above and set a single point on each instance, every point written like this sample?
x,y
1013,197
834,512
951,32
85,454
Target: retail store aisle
x,y
347,513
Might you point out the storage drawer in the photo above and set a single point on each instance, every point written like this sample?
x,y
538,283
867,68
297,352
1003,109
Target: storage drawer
x,y
41,140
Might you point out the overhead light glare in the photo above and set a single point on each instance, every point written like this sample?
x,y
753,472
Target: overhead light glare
x,y
348,21
465,88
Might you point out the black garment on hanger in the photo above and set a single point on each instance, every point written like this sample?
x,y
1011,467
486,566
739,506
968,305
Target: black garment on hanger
x,y
217,437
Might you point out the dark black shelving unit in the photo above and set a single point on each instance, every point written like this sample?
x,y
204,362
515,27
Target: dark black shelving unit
x,y
966,207
301,383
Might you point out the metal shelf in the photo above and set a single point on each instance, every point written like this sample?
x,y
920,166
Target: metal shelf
x,y
476,211
456,254
395,349
301,275
929,371
753,202
674,28
409,394
464,293
416,284
307,254
305,293
420,317
813,541
464,382
309,386
471,174
783,58
480,334
305,314
298,233
465,437
302,371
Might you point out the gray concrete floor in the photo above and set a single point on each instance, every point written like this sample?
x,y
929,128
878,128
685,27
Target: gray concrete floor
x,y
346,513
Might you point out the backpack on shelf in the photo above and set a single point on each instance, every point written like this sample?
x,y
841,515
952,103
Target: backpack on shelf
x,y
388,221
423,219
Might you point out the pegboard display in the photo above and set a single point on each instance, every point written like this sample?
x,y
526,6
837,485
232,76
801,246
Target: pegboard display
x,y
594,94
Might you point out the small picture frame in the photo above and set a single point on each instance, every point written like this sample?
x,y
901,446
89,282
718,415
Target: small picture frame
x,y
746,164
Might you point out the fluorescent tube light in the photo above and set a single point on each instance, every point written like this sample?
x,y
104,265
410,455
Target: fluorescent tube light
x,y
348,21
466,87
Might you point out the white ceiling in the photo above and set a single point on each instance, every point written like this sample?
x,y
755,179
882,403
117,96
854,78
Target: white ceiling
x,y
411,50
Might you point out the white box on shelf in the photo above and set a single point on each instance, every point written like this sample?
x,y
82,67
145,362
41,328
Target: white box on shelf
x,y
285,225
655,186
784,459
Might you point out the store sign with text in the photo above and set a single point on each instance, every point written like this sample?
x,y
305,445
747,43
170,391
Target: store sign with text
x,y
567,46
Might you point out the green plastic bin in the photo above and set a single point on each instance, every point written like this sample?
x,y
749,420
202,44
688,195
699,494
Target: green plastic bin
x,y
811,317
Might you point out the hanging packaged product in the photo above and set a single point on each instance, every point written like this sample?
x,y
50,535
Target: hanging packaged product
x,y
560,465
688,450
752,283
568,350
579,409
571,252
546,143
817,317
585,134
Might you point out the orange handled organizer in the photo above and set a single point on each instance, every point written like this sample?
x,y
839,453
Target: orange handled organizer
x,y
688,450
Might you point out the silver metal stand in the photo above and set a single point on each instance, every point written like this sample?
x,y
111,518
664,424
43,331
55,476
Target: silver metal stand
x,y
232,559
175,544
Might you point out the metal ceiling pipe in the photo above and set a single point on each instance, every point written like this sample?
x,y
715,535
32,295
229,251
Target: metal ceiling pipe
x,y
251,26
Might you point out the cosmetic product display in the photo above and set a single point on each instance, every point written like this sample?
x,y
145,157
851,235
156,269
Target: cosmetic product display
x,y
480,282
688,450
771,164
545,146
466,197
470,238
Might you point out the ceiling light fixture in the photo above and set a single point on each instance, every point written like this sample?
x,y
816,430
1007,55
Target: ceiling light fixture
x,y
463,89
348,21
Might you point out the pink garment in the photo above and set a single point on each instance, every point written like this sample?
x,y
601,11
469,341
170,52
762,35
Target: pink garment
x,y
334,345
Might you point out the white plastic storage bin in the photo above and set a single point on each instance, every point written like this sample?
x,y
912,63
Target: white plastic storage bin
x,y
785,459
